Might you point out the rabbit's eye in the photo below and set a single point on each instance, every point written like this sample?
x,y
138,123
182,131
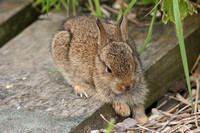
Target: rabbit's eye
x,y
108,69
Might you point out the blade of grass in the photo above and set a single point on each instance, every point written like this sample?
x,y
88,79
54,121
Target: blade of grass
x,y
66,6
150,29
110,126
182,45
91,7
47,6
129,7
98,10
68,2
36,3
57,6
74,4
120,12
52,69
43,6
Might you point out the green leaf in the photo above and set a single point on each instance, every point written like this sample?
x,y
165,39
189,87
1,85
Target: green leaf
x,y
110,126
185,7
182,45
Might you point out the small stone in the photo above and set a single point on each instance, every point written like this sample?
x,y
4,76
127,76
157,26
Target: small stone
x,y
9,86
95,131
116,4
155,114
193,92
155,111
132,15
18,107
127,123
158,14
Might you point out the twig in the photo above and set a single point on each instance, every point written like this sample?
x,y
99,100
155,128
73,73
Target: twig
x,y
160,105
133,20
171,118
165,113
110,9
183,108
173,108
147,128
108,121
153,8
195,64
182,99
174,128
196,101
172,97
105,12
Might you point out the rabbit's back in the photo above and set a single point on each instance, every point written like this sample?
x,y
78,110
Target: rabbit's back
x,y
75,47
84,29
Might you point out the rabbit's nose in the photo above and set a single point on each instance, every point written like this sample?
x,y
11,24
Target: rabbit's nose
x,y
128,87
125,87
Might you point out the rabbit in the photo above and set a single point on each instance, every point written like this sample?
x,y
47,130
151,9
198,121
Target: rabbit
x,y
99,60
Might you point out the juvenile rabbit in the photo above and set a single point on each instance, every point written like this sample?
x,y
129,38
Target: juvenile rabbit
x,y
99,60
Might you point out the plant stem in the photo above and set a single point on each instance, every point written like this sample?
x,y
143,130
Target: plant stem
x,y
182,45
150,29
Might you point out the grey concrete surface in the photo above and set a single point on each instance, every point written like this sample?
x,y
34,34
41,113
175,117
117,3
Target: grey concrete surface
x,y
35,99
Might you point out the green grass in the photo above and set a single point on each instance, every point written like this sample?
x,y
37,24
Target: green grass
x,y
182,45
95,9
127,9
150,29
74,4
98,10
110,126
46,5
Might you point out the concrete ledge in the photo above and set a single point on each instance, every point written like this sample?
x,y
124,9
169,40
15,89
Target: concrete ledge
x,y
28,88
15,16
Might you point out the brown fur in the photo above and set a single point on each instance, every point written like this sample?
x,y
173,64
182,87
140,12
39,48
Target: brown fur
x,y
99,60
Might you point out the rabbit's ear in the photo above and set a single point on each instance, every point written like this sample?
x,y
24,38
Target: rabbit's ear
x,y
121,31
102,35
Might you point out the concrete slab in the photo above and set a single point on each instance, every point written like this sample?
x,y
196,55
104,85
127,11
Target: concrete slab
x,y
26,84
9,8
15,15
35,99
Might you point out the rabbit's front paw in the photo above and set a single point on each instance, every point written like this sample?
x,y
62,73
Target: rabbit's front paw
x,y
122,109
141,118
81,92
139,114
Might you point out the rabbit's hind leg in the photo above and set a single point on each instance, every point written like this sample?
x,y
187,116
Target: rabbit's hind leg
x,y
81,92
122,109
